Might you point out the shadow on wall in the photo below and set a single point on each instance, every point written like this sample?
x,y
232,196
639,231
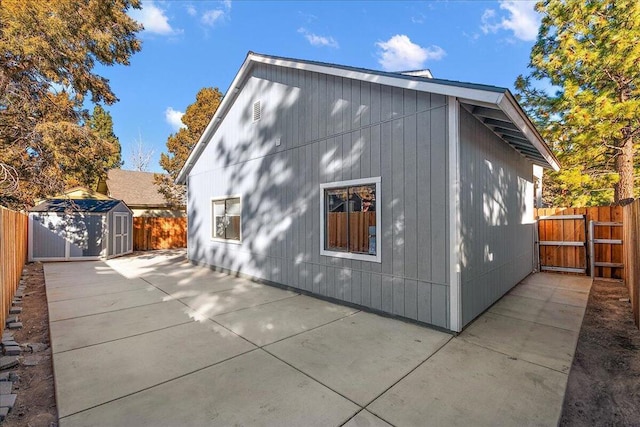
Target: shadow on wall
x,y
496,221
82,233
279,186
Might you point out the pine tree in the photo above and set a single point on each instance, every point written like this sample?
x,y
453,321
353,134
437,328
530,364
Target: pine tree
x,y
44,133
179,145
589,51
101,123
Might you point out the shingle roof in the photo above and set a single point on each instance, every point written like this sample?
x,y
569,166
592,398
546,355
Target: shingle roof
x,y
77,205
134,188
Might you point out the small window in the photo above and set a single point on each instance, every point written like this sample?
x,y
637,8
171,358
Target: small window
x,y
257,111
226,215
351,219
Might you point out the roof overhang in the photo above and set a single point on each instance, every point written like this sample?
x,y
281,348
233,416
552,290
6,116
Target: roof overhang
x,y
497,103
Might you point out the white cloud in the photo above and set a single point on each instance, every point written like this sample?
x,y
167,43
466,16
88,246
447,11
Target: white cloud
x,y
191,10
154,19
174,118
521,19
210,17
213,16
400,53
317,40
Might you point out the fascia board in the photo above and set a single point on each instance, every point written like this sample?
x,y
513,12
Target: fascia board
x,y
227,102
510,107
489,97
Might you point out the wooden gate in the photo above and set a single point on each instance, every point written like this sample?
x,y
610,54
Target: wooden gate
x,y
604,257
562,246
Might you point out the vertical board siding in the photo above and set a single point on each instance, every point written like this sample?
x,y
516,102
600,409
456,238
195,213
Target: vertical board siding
x,y
330,129
13,256
497,222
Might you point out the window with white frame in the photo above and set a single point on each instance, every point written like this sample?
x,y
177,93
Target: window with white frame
x,y
351,219
226,216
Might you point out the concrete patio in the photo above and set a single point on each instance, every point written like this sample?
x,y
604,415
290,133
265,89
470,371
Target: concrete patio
x,y
151,340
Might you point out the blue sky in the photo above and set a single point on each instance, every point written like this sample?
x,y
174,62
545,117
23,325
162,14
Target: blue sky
x,y
187,45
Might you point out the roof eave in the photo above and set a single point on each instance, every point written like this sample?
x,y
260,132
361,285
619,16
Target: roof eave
x,y
512,109
227,101
501,98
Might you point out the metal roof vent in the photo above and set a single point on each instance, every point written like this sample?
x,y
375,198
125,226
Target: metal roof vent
x,y
257,111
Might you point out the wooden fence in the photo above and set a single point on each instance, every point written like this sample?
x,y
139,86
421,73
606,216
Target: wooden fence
x,y
574,230
159,233
13,255
359,223
631,239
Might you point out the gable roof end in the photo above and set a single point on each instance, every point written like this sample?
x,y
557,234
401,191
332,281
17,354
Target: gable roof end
x,y
504,116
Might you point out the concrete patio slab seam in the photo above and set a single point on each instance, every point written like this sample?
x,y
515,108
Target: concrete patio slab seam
x,y
121,338
359,412
91,296
404,376
511,356
159,384
300,333
103,312
495,313
349,399
180,300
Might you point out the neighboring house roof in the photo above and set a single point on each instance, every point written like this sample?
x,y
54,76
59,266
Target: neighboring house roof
x,y
77,205
135,188
495,106
77,193
81,193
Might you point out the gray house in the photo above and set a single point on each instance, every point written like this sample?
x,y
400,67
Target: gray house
x,y
404,194
79,229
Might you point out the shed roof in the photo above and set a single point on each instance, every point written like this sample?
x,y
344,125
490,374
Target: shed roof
x,y
135,188
494,106
76,205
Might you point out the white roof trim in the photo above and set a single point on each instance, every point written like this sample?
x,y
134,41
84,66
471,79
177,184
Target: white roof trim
x,y
510,107
476,96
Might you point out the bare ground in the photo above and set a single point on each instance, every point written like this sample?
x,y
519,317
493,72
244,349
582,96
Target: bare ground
x,y
604,381
36,404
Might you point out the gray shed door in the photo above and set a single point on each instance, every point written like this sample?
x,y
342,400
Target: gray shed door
x,y
121,235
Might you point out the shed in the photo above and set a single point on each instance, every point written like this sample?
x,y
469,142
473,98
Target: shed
x,y
79,229
399,193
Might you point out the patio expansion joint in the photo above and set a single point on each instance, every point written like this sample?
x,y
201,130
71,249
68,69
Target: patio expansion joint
x,y
534,322
104,312
312,378
363,409
548,300
510,356
406,375
93,296
160,383
122,338
307,330
247,308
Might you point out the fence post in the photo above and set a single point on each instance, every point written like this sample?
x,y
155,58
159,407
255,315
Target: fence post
x,y
592,258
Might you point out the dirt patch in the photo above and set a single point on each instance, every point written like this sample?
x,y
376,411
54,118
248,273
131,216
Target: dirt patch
x,y
604,382
36,404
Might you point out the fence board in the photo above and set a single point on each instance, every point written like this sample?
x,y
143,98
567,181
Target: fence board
x,y
13,255
631,239
359,223
574,257
159,233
